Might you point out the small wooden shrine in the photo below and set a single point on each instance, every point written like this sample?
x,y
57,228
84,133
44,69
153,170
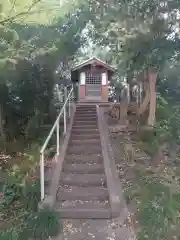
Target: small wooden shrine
x,y
92,77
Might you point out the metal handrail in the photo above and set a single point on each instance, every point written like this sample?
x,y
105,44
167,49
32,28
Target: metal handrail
x,y
55,127
59,92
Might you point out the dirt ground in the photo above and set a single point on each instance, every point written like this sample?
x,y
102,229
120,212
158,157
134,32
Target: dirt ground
x,y
116,229
151,192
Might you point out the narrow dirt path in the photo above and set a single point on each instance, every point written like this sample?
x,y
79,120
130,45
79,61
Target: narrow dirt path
x,y
116,229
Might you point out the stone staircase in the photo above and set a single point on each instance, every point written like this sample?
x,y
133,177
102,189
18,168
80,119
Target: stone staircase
x,y
80,182
83,191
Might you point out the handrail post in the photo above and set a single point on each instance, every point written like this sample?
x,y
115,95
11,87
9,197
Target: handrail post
x,y
72,93
57,139
42,175
54,129
69,106
65,97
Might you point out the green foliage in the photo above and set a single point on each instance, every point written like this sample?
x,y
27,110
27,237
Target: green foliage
x,y
152,139
35,11
25,106
169,125
16,189
158,211
11,192
168,83
30,224
9,235
41,225
30,56
31,195
154,199
166,129
143,35
35,226
162,108
33,128
137,33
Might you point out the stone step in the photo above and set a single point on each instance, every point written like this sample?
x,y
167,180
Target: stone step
x,y
84,149
85,118
83,168
84,209
86,142
93,158
86,105
86,113
83,180
77,141
85,131
66,193
85,110
85,136
92,126
85,122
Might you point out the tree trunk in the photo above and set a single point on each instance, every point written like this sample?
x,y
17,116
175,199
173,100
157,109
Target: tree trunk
x,y
124,109
152,105
2,133
130,91
145,102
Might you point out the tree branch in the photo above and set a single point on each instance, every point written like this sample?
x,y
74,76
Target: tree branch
x,y
11,18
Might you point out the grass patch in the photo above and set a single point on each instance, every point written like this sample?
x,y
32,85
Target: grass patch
x,y
19,209
41,225
158,211
35,226
19,197
151,194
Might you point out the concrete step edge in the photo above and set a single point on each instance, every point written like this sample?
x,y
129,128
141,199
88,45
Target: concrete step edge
x,y
83,168
82,193
84,212
83,179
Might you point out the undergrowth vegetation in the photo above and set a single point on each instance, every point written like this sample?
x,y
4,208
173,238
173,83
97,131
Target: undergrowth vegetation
x,y
133,35
151,191
34,56
151,181
19,211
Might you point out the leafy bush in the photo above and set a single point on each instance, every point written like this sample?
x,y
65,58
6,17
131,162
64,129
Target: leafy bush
x,y
158,210
33,130
35,226
11,192
155,138
162,108
31,195
147,136
9,235
41,225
